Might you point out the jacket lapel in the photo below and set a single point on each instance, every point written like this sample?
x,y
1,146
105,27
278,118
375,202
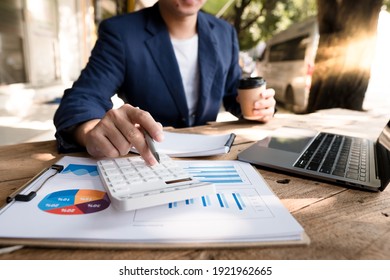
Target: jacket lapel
x,y
164,58
207,54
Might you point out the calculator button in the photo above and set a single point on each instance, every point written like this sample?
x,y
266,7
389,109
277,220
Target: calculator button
x,y
135,180
116,179
122,190
154,179
122,161
112,172
128,171
108,165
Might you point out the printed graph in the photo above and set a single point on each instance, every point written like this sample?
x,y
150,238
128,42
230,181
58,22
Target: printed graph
x,y
74,202
225,204
235,197
217,174
219,200
81,170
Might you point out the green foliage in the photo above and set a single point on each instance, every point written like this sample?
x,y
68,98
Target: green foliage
x,y
386,3
258,20
213,6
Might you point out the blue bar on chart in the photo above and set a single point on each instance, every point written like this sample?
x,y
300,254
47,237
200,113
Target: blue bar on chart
x,y
222,200
206,201
189,201
215,174
238,199
172,204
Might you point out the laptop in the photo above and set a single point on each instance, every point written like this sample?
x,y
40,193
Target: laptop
x,y
350,161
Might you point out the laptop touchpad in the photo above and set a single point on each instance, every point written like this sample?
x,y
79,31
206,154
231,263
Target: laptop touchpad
x,y
289,139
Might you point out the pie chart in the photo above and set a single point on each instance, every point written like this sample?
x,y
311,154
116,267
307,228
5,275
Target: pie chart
x,y
74,202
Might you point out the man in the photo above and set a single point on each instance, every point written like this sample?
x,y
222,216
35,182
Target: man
x,y
170,63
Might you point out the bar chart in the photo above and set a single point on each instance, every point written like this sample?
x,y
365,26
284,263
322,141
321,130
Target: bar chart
x,y
218,173
235,197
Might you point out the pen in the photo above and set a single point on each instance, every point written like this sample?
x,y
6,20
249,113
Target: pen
x,y
152,147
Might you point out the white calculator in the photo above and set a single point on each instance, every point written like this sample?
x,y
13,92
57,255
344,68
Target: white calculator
x,y
132,184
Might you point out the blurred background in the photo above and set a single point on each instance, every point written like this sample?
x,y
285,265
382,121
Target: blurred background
x,y
44,44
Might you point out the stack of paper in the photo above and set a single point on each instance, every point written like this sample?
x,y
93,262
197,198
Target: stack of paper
x,y
72,208
194,145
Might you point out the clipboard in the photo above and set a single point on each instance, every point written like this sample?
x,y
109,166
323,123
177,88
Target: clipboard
x,y
37,224
47,243
29,190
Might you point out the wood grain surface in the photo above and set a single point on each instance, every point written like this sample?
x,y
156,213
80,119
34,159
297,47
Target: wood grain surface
x,y
341,223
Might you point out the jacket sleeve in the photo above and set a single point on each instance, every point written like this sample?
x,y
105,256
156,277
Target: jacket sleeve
x,y
90,96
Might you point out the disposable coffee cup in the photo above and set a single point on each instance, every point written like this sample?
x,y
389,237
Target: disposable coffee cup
x,y
249,91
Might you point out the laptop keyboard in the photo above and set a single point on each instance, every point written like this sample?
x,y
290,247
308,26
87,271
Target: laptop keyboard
x,y
338,155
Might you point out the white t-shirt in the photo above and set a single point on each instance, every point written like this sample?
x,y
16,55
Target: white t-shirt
x,y
186,52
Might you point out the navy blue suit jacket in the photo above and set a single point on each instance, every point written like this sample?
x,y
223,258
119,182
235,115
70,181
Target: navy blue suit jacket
x,y
134,58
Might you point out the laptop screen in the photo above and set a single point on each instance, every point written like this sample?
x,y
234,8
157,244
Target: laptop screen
x,y
383,156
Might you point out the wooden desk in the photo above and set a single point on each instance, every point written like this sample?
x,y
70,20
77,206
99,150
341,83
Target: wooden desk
x,y
342,223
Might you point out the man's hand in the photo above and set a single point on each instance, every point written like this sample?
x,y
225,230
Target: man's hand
x,y
118,131
265,106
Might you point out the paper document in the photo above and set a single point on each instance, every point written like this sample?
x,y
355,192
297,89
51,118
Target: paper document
x,y
73,206
194,145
